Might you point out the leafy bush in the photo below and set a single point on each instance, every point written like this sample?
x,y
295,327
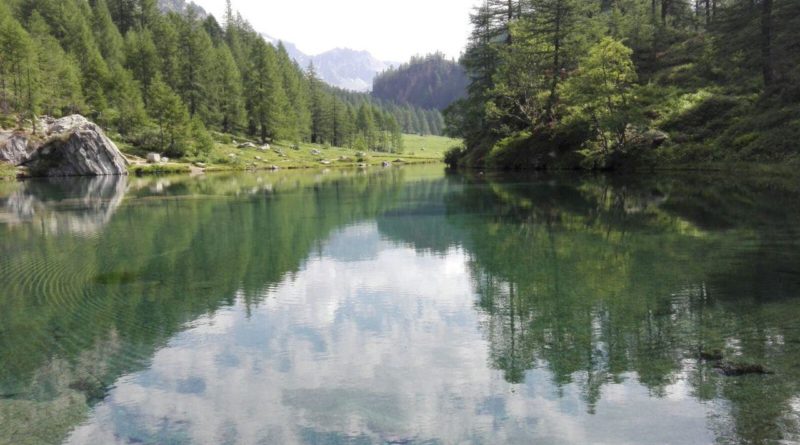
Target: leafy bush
x,y
201,138
545,148
453,156
148,139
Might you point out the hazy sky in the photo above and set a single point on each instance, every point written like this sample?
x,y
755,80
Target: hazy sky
x,y
392,30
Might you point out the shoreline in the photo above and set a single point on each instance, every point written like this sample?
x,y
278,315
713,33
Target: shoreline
x,y
174,168
772,168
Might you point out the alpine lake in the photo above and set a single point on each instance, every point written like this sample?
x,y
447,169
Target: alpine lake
x,y
405,305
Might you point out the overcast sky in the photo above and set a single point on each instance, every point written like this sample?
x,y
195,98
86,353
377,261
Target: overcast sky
x,y
392,30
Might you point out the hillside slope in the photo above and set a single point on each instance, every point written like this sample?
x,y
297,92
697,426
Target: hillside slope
x,y
432,81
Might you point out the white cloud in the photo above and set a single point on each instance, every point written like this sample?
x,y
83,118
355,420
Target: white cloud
x,y
358,346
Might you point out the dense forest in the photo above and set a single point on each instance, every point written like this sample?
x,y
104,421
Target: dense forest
x,y
431,82
172,82
621,83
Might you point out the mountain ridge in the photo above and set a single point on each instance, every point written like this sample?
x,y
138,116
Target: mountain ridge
x,y
341,67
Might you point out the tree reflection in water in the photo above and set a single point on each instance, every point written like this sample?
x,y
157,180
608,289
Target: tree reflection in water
x,y
592,282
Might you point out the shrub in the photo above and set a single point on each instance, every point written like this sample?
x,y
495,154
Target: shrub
x,y
201,138
453,156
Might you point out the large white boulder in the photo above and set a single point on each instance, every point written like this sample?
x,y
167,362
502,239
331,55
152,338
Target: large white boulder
x,y
76,147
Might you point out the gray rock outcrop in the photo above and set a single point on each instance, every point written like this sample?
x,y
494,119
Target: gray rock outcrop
x,y
72,146
14,148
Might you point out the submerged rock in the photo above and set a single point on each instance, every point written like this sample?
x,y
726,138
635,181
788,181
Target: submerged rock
x,y
730,369
713,355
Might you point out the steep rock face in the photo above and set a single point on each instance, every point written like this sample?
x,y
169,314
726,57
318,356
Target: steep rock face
x,y
73,147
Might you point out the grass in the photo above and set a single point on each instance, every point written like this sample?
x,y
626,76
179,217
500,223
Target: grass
x,y
159,169
430,146
229,157
7,171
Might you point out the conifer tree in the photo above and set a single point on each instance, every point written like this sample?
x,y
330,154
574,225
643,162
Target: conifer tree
x,y
126,107
59,76
227,88
16,49
171,117
106,33
141,57
365,125
195,52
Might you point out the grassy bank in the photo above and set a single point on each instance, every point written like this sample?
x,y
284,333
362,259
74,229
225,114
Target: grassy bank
x,y
249,155
7,171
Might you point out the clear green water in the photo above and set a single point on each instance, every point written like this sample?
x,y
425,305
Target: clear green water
x,y
401,306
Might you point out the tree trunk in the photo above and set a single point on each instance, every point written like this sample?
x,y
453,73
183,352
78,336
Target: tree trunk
x,y
31,105
766,43
551,103
335,125
510,14
4,99
697,15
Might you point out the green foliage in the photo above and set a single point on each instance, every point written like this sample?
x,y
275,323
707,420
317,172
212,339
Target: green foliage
x,y
629,68
430,82
127,110
540,150
7,171
452,157
201,139
172,119
158,169
601,93
120,62
18,73
59,76
141,58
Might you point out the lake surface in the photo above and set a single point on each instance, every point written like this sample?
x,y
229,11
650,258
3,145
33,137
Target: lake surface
x,y
400,306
